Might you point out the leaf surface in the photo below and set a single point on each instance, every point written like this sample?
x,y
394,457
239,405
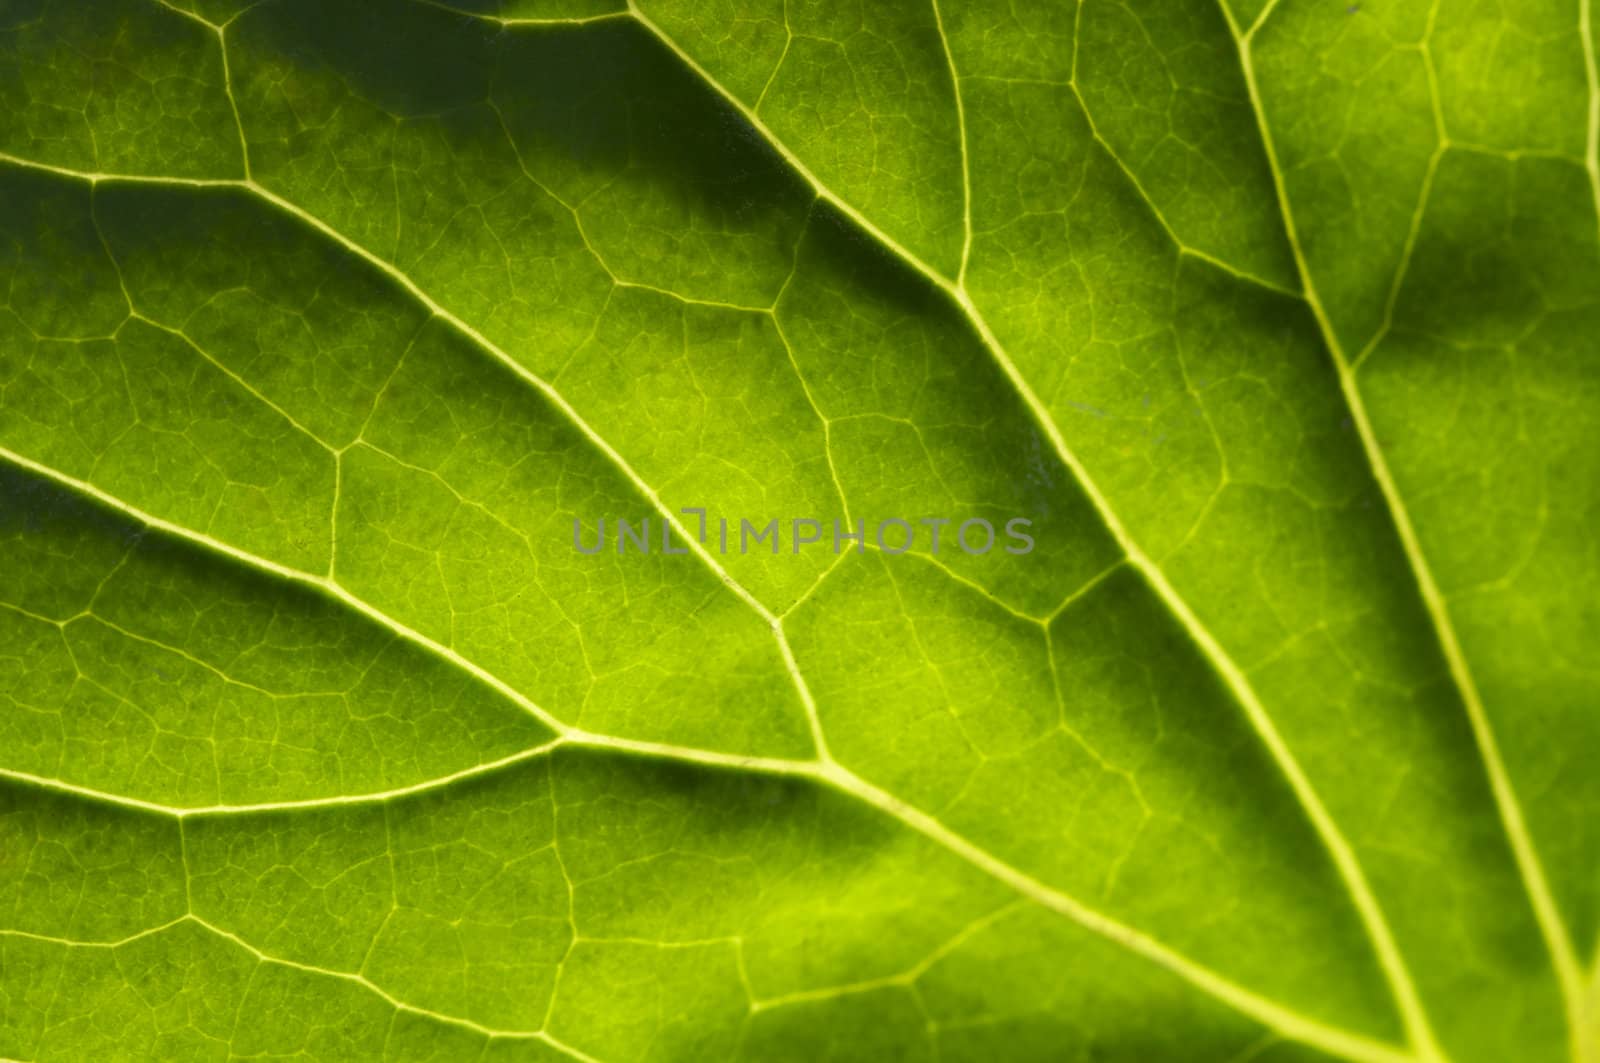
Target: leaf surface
x,y
325,322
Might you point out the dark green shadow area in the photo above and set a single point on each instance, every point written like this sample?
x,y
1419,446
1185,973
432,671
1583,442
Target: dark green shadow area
x,y
597,116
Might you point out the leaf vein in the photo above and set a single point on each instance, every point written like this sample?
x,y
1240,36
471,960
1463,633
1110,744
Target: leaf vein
x,y
1555,935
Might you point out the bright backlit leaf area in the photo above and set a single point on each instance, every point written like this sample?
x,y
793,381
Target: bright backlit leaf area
x,y
322,323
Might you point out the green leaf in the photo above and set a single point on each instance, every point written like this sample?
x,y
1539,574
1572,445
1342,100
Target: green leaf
x,y
324,322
